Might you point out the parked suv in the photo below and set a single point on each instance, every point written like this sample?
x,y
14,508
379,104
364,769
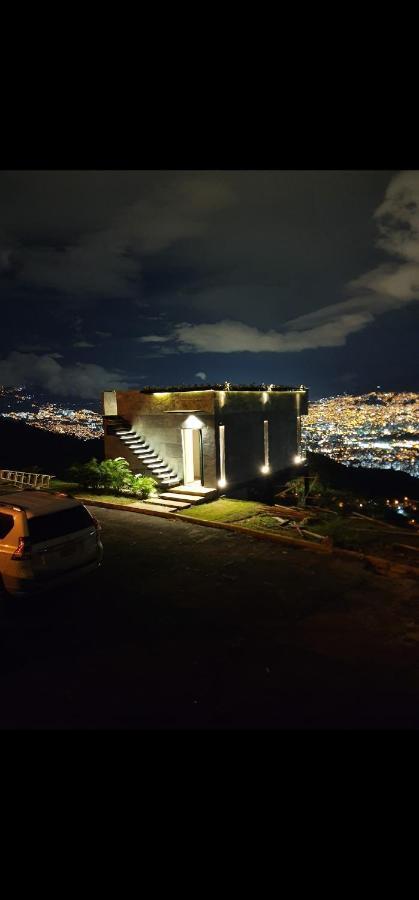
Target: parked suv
x,y
46,539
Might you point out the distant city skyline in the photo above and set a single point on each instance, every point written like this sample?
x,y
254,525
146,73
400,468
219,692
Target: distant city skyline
x,y
122,279
379,429
376,430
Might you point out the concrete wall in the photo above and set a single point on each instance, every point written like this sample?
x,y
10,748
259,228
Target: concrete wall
x,y
159,417
243,414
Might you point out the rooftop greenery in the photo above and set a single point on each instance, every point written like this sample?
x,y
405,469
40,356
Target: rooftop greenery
x,y
177,388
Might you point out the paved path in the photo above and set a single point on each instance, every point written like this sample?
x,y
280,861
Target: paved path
x,y
190,627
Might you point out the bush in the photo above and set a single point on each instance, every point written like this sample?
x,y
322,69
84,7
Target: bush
x,y
87,475
113,475
141,485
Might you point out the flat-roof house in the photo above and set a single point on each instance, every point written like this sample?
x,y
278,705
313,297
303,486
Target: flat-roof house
x,y
205,440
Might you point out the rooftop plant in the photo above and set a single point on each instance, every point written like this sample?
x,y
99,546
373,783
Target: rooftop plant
x,y
217,387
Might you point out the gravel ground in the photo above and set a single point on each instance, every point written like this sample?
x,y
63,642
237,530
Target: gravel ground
x,y
191,627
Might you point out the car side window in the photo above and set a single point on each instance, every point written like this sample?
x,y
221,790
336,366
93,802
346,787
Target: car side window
x,y
6,524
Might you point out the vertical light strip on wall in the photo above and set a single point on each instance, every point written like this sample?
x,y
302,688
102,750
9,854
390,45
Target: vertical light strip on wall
x,y
222,481
266,445
298,400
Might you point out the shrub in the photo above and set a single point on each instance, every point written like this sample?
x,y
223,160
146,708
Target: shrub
x,y
141,485
113,475
88,474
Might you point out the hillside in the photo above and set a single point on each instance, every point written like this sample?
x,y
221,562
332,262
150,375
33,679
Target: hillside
x,y
385,483
25,448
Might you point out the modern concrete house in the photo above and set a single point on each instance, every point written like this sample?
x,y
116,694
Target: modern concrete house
x,y
199,443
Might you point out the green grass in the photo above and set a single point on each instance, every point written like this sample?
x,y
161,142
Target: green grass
x,y
57,485
268,523
349,534
225,510
118,499
72,487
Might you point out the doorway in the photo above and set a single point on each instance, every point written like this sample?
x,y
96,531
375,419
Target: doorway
x,y
192,453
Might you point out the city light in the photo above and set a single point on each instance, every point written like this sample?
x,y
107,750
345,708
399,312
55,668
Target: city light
x,y
374,430
22,406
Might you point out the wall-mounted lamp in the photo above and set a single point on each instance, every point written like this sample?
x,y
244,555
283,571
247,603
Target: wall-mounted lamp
x,y
192,422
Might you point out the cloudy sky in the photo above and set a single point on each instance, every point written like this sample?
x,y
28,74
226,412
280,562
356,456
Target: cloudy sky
x,y
122,279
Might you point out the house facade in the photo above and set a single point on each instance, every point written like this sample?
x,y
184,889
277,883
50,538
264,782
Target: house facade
x,y
210,437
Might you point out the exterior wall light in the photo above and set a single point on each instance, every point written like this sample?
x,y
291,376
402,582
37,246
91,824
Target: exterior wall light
x,y
265,469
192,422
221,433
298,460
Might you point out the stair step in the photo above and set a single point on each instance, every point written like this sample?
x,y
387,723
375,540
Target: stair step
x,y
190,499
169,504
197,492
155,506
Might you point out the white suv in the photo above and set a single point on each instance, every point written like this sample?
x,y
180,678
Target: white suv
x,y
46,539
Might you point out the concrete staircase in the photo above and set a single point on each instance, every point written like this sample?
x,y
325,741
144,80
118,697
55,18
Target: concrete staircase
x,y
150,462
183,496
173,496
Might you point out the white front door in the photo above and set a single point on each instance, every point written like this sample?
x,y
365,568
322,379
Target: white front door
x,y
191,455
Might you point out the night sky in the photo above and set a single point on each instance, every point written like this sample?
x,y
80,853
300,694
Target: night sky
x,y
126,279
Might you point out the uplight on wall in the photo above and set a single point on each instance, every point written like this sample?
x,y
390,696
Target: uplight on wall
x,y
265,467
222,480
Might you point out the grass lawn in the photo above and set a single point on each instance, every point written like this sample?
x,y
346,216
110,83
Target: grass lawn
x,y
72,487
225,510
57,485
109,498
268,523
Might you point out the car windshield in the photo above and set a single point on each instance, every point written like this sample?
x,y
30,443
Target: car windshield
x,y
57,524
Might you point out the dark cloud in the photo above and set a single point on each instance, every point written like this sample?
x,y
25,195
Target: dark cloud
x,y
265,264
78,380
87,233
382,289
